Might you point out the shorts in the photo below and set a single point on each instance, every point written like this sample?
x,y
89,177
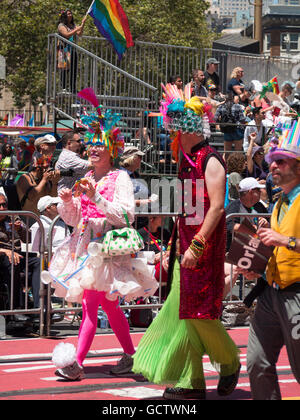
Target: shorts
x,y
234,135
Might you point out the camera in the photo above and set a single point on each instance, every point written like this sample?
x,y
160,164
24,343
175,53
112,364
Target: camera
x,y
296,103
66,172
63,172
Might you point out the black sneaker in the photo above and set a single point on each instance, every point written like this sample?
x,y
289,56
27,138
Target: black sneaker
x,y
184,394
228,383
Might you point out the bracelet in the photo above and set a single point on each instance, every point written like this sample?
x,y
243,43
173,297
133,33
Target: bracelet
x,y
196,252
198,245
200,238
193,254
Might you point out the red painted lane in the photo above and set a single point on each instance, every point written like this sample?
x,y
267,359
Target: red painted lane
x,y
97,371
46,345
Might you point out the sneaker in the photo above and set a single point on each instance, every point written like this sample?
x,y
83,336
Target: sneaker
x,y
228,383
124,365
69,316
184,394
72,372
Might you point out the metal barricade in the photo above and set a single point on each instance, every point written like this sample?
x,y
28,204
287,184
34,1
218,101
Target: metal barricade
x,y
25,215
77,308
157,305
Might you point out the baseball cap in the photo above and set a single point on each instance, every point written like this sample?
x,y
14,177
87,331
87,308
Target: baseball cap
x,y
131,151
48,138
46,201
248,184
212,61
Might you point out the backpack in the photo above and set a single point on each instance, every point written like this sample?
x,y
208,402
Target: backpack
x,y
227,117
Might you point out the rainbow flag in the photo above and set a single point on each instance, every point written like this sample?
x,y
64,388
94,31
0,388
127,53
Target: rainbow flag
x,y
270,86
111,21
274,84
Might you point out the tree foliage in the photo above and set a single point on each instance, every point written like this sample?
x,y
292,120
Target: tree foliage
x,y
25,25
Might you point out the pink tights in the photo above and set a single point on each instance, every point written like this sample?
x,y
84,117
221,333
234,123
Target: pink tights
x,y
118,322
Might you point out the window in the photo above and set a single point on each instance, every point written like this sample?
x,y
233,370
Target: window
x,y
267,42
289,41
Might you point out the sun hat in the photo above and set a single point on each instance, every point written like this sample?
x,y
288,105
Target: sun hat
x,y
47,139
131,151
288,146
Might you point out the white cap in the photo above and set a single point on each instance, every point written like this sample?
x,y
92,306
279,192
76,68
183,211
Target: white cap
x,y
248,184
46,201
48,138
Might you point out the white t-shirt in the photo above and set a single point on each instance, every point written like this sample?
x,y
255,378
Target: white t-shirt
x,y
251,128
59,233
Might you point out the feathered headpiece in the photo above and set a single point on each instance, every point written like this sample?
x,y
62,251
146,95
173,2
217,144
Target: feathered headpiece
x,y
183,115
102,127
287,143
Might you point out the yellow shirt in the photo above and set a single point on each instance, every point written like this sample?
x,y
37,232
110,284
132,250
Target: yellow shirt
x,y
284,266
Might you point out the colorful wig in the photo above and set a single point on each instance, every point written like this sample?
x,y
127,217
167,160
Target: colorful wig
x,y
102,127
183,115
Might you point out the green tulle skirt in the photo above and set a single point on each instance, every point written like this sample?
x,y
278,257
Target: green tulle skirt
x,y
171,350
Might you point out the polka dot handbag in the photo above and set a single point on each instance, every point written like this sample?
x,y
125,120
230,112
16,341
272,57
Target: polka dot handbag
x,y
118,242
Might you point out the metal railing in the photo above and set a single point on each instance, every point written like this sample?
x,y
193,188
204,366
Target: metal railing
x,y
45,310
154,306
155,63
26,310
115,88
155,142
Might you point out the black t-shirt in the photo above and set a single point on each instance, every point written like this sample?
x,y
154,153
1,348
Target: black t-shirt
x,y
148,239
234,82
211,79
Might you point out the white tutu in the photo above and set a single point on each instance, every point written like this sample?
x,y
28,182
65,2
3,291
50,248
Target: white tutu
x,y
70,274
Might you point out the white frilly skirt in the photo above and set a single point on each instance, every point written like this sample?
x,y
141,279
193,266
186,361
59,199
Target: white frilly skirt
x,y
120,276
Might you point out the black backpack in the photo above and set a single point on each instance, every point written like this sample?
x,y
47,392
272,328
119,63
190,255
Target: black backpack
x,y
227,117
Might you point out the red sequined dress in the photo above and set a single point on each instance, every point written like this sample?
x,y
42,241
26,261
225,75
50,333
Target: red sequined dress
x,y
201,289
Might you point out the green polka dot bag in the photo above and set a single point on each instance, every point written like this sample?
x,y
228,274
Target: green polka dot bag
x,y
122,241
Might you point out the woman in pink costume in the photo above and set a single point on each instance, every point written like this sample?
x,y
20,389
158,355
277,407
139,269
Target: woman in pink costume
x,y
104,200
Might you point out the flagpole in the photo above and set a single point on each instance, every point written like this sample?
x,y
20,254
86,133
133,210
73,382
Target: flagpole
x,y
90,8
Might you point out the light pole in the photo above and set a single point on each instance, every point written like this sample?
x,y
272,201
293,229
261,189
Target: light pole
x,y
258,5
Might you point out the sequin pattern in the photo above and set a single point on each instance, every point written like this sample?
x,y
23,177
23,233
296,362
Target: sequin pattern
x,y
201,289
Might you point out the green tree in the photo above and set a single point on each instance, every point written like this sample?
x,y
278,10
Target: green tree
x,y
25,25
177,22
23,33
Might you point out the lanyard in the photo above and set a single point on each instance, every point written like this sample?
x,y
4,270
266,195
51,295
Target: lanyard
x,y
153,239
185,155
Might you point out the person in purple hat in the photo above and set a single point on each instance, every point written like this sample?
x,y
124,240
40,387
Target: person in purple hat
x,y
276,322
256,164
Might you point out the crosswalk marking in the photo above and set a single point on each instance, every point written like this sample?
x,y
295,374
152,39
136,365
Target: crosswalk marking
x,y
135,392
